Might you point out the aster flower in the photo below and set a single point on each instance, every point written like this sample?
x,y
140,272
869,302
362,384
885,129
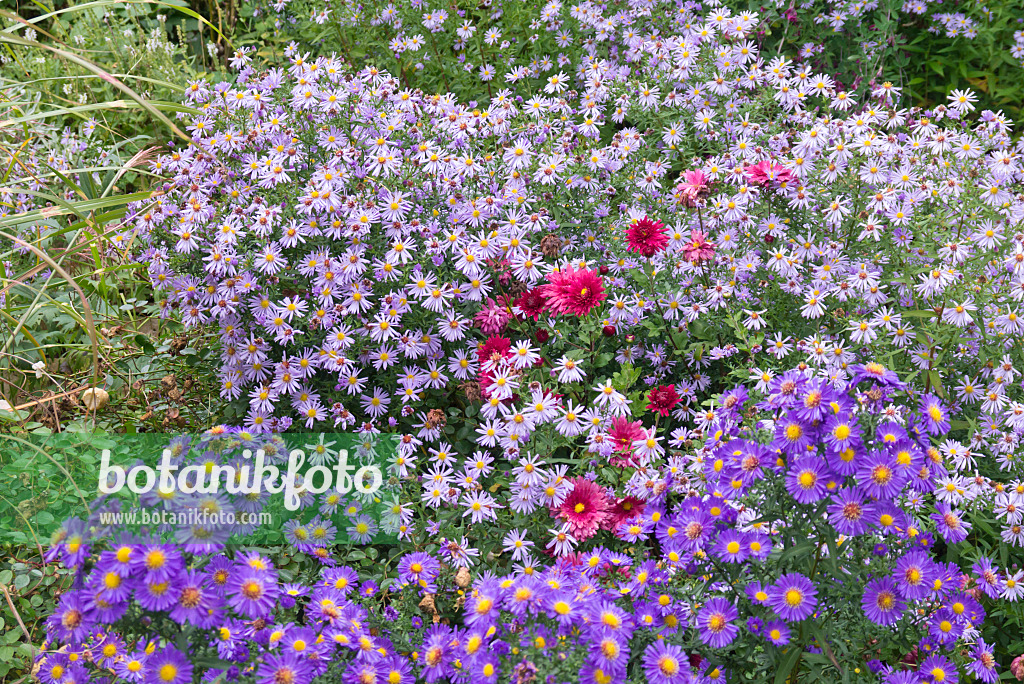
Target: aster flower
x,y
437,653
715,619
167,666
983,663
777,633
420,569
914,575
881,602
879,477
807,479
949,524
253,593
938,669
70,621
934,416
793,597
288,666
877,373
850,513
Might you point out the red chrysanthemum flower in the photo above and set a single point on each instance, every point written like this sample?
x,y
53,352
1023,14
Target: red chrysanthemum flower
x,y
574,292
584,509
532,303
647,237
663,399
623,510
495,348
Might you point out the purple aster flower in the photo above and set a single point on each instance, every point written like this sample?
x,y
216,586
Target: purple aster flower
x,y
881,601
934,416
253,593
806,480
70,623
792,436
842,432
666,663
168,666
610,653
949,524
485,668
879,477
945,628
484,607
793,597
437,653
875,372
987,577
158,562
983,664
914,575
850,512
777,632
397,670
287,666
715,621
419,568
731,546
938,669
903,677
814,401
756,593
196,603
132,667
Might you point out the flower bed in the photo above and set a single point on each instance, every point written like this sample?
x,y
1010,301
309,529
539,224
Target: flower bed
x,y
701,370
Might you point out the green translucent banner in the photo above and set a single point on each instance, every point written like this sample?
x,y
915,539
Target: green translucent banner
x,y
199,490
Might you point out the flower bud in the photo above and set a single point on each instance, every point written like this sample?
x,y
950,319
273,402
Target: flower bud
x,y
95,398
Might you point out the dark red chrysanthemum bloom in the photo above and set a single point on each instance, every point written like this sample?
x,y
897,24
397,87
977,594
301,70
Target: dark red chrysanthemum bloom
x,y
532,303
624,509
647,237
494,348
663,399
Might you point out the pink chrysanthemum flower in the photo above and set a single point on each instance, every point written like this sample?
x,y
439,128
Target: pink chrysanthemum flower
x,y
585,508
647,237
692,188
699,248
574,292
767,172
623,433
492,317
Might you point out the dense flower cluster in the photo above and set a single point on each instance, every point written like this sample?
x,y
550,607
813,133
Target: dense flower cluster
x,y
690,354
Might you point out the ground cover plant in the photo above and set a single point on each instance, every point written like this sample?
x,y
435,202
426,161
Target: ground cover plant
x,y
703,361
